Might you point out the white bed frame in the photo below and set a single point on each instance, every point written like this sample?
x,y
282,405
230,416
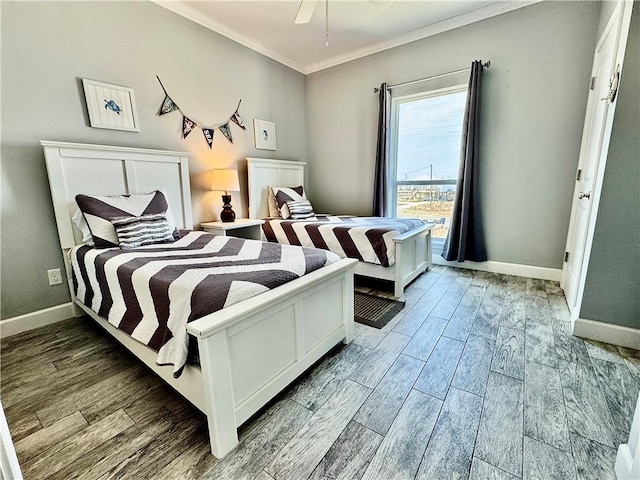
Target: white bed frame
x,y
413,248
249,351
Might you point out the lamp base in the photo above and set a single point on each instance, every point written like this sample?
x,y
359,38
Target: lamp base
x,y
227,214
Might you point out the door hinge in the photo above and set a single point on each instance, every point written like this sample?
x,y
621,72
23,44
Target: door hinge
x,y
579,175
566,256
592,85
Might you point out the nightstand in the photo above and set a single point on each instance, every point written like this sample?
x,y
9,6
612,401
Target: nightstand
x,y
242,228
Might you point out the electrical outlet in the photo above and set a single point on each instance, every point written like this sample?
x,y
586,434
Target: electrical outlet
x,y
55,276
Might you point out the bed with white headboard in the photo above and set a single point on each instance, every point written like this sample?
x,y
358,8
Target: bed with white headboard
x,y
412,248
248,351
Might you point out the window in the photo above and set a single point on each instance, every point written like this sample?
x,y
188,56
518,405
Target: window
x,y
427,131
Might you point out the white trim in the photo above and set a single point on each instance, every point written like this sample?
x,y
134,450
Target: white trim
x,y
71,146
483,13
628,458
37,319
207,22
9,466
516,269
607,333
621,19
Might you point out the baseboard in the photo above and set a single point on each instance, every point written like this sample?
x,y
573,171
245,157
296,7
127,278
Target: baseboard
x,y
607,332
516,269
37,319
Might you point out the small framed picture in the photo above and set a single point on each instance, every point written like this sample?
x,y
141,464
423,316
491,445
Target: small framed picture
x,y
265,134
110,106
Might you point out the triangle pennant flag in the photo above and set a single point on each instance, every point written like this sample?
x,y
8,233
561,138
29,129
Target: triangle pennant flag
x,y
208,135
237,119
187,126
226,131
168,105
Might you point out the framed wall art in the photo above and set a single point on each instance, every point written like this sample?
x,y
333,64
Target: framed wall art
x,y
110,106
265,134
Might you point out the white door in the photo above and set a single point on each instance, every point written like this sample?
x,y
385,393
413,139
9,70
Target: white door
x,y
593,152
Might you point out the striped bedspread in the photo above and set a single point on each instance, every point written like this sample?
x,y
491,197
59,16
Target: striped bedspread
x,y
152,292
368,239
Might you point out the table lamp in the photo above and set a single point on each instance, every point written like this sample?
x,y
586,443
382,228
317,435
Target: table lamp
x,y
226,180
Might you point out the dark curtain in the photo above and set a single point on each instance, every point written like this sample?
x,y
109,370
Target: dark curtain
x,y
465,240
381,185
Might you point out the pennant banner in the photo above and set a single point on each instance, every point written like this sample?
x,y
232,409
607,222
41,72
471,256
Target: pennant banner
x,y
235,118
226,131
187,126
168,106
208,135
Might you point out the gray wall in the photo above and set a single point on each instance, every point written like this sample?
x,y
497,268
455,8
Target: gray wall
x,y
47,47
533,106
611,292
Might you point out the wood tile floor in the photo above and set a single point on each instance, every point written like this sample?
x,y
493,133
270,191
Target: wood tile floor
x,y
476,378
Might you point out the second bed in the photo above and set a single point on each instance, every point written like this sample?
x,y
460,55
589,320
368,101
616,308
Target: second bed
x,y
396,250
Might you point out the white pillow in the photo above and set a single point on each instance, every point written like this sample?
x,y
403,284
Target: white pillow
x,y
81,223
273,206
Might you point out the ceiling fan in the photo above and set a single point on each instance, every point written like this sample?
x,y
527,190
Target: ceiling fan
x,y
305,10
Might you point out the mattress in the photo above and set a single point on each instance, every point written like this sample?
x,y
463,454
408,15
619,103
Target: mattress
x,y
368,239
152,292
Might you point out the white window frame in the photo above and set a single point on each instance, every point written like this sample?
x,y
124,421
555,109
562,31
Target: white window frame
x,y
437,243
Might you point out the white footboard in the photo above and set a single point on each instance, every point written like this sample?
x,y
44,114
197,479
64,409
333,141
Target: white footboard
x,y
252,350
413,257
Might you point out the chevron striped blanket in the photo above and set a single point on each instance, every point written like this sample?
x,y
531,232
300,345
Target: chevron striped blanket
x,y
368,239
152,292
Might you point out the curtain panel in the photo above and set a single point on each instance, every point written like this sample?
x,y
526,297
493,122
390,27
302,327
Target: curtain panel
x,y
381,179
465,240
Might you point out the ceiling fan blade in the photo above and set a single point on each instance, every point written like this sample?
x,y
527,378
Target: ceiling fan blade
x,y
381,4
305,11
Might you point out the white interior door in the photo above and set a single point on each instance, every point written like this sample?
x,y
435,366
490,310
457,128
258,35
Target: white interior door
x,y
593,153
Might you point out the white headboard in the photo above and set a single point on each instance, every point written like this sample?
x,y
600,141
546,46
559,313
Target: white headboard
x,y
264,173
105,170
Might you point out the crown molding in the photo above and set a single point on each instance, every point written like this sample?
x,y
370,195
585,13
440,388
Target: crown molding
x,y
434,29
195,16
477,15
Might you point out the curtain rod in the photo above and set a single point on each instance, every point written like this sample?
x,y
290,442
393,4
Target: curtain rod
x,y
487,64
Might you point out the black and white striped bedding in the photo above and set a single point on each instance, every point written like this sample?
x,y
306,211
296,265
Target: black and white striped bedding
x,y
368,239
152,292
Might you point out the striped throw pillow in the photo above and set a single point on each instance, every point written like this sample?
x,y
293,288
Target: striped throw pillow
x,y
287,194
98,212
300,209
134,232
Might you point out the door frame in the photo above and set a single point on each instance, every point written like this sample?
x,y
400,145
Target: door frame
x,y
620,19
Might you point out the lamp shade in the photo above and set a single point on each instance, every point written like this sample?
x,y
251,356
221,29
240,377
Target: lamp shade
x,y
225,180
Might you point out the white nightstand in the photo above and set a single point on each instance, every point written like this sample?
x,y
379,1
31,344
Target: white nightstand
x,y
242,228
